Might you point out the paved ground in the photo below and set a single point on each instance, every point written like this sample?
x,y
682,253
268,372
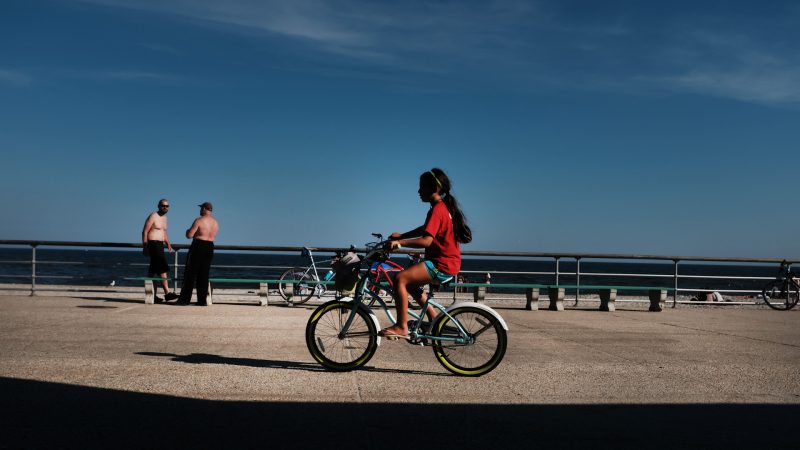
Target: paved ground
x,y
81,372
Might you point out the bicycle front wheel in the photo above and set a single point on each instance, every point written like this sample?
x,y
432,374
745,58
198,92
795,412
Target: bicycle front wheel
x,y
781,295
476,353
297,291
335,352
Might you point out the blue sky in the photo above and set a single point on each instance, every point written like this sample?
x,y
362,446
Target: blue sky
x,y
577,126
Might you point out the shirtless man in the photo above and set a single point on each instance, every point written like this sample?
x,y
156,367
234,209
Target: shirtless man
x,y
154,236
198,262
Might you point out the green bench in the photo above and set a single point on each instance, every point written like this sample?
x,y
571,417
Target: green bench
x,y
149,292
263,286
608,295
263,290
531,291
555,293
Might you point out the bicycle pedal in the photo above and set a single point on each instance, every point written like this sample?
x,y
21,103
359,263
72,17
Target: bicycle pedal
x,y
418,341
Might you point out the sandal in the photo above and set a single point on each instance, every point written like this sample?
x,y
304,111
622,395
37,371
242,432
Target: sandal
x,y
391,335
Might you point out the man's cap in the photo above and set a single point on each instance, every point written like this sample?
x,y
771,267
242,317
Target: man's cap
x,y
207,205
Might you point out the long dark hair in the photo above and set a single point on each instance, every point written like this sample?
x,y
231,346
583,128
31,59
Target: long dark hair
x,y
436,179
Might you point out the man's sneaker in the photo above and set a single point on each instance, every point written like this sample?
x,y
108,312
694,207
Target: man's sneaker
x,y
170,296
158,299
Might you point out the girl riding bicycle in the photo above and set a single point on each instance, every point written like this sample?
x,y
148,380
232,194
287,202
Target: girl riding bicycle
x,y
444,230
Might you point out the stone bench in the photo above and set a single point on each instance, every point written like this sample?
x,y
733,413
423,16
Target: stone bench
x,y
531,292
608,295
263,286
555,293
149,292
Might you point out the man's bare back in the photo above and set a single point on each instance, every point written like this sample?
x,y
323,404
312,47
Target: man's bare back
x,y
204,228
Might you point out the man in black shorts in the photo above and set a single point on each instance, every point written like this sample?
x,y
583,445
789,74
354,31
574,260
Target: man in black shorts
x,y
154,236
198,262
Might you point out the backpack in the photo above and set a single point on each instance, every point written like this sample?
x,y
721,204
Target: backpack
x,y
465,237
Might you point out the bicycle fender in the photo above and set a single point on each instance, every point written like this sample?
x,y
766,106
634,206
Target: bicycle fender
x,y
480,306
371,316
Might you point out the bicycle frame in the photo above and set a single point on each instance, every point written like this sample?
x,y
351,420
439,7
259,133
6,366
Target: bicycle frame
x,y
362,288
786,272
319,289
787,276
381,270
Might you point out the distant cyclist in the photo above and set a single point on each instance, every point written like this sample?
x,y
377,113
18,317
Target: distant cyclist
x,y
441,236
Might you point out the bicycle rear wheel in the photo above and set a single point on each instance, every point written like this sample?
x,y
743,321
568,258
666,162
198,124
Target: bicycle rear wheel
x,y
480,351
297,292
336,353
781,295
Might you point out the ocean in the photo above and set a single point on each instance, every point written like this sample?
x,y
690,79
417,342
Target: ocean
x,y
102,267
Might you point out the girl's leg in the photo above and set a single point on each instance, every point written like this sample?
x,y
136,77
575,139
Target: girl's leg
x,y
419,294
415,275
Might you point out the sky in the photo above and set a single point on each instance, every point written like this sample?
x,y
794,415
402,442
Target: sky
x,y
626,127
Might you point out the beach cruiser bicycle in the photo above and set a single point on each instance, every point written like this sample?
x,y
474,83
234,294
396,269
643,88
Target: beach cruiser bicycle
x,y
305,280
467,339
783,292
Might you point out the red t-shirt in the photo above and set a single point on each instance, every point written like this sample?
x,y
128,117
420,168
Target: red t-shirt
x,y
445,251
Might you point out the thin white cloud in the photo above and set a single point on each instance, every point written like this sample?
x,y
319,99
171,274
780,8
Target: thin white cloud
x,y
736,67
389,33
761,85
307,19
531,43
14,78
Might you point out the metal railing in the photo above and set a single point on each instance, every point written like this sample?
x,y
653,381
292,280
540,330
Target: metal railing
x,y
557,274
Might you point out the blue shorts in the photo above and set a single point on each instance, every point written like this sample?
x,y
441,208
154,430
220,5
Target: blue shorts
x,y
436,274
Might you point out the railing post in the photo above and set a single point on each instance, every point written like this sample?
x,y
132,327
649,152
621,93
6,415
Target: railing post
x,y
175,280
557,271
675,292
33,270
577,279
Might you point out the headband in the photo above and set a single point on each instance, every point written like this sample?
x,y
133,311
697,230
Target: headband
x,y
435,179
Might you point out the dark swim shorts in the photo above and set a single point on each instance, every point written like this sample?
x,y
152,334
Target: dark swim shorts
x,y
158,261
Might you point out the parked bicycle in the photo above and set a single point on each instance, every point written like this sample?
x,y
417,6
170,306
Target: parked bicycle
x,y
305,280
467,339
783,292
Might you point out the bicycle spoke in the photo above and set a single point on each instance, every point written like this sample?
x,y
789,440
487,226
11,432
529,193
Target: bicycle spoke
x,y
323,331
483,345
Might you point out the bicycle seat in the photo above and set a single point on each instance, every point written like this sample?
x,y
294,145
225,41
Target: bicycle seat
x,y
446,283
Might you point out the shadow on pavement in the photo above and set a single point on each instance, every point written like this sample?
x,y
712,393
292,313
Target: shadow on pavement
x,y
112,300
205,358
40,414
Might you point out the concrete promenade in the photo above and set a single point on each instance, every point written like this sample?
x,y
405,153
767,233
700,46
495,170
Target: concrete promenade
x,y
106,372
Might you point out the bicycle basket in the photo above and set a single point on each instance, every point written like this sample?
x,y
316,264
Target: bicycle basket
x,y
346,268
